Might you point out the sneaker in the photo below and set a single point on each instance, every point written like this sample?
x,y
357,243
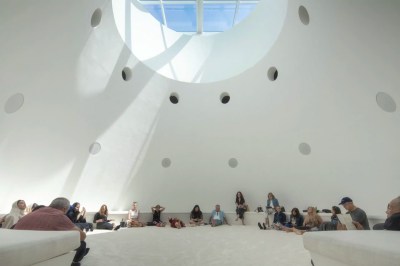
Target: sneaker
x,y
259,225
86,251
265,228
116,228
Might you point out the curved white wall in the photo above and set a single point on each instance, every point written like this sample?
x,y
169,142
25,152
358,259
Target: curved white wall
x,y
330,73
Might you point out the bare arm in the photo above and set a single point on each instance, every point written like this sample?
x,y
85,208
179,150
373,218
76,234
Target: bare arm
x,y
226,220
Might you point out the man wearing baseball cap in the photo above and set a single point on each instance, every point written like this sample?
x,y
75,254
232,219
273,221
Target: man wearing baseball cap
x,y
358,216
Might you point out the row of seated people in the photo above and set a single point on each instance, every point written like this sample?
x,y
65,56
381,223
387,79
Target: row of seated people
x,y
313,221
296,223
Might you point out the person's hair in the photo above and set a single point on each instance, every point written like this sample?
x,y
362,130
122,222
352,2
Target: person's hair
x,y
75,204
296,210
60,203
241,199
397,201
336,209
18,201
313,210
194,209
37,207
272,195
105,211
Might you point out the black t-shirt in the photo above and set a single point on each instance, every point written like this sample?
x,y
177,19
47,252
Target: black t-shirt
x,y
393,222
156,216
98,216
196,215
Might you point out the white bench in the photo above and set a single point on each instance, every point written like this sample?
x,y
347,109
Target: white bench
x,y
25,247
353,248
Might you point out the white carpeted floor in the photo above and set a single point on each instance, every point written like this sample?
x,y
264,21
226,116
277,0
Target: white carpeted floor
x,y
223,245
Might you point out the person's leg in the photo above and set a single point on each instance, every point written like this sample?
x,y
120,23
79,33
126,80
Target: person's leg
x,y
178,225
80,252
237,213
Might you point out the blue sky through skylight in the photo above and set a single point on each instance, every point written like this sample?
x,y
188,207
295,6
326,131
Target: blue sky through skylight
x,y
218,16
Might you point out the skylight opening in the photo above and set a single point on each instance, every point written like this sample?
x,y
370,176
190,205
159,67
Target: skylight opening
x,y
199,16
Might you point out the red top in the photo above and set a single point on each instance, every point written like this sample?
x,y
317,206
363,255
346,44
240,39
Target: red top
x,y
45,219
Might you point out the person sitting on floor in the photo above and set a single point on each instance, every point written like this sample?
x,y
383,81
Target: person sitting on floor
x,y
332,225
100,218
53,218
176,223
133,216
217,217
16,213
78,217
359,217
196,216
312,222
392,222
157,210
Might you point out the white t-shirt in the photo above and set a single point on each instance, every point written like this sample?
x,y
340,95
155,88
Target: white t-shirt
x,y
216,216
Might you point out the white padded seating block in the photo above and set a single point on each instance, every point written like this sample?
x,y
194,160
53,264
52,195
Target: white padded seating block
x,y
25,247
353,248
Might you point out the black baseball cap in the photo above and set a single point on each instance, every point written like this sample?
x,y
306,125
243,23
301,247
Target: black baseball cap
x,y
345,200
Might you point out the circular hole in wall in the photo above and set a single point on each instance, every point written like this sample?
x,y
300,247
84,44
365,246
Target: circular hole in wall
x,y
174,98
95,148
166,162
305,148
272,73
126,73
14,103
233,162
225,98
96,18
304,16
386,102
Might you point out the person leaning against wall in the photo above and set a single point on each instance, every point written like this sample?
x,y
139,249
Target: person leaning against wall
x,y
272,202
241,207
217,217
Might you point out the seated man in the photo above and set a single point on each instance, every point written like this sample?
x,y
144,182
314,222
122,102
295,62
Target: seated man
x,y
392,222
217,217
53,218
358,216
393,215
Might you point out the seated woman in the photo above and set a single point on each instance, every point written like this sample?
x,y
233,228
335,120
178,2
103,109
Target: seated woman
x,y
176,223
157,210
78,217
279,218
100,218
240,206
196,216
133,216
16,213
296,219
312,222
333,224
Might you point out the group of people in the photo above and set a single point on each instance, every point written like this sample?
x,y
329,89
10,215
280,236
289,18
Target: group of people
x,y
313,221
61,216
